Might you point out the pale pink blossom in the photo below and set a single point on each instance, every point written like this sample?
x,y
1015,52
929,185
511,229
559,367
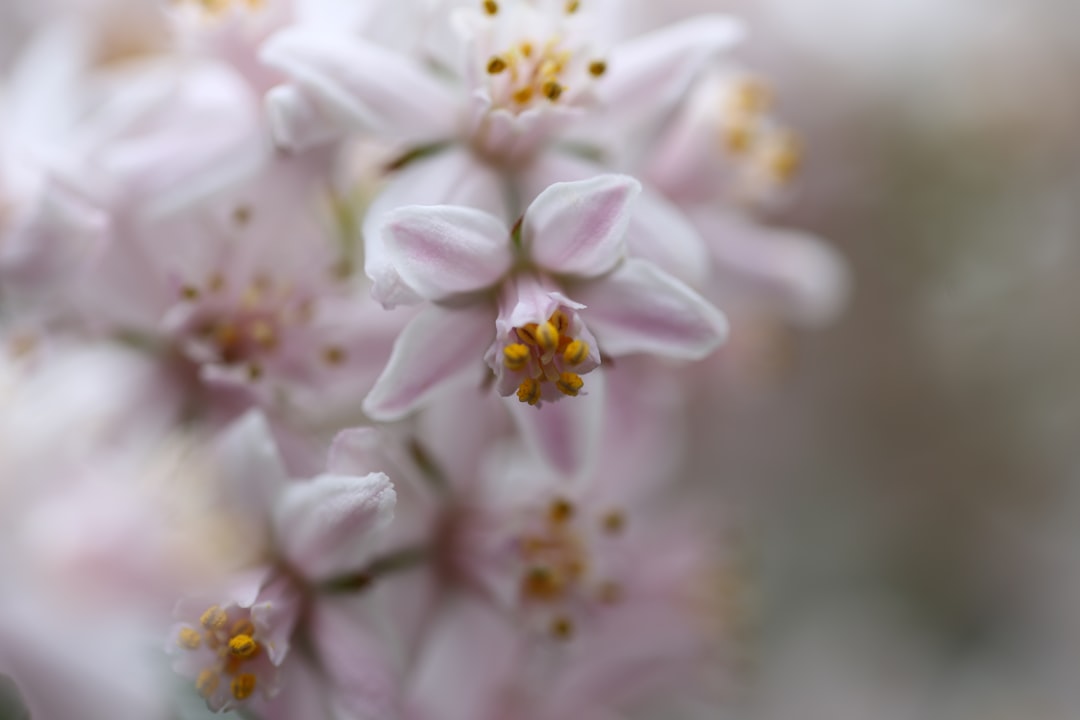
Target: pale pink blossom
x,y
235,641
559,290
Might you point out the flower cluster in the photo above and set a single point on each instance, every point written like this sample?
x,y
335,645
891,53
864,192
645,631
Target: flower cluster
x,y
347,348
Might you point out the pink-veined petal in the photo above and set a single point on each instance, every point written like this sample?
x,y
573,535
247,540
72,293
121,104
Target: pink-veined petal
x,y
331,525
661,234
382,90
566,433
439,346
579,228
451,177
649,72
443,250
641,309
797,274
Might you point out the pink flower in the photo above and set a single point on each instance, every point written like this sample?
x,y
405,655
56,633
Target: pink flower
x,y
513,74
234,642
559,288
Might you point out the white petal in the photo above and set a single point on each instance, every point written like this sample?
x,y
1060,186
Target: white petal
x,y
565,433
331,525
382,90
797,274
453,177
641,309
442,251
252,469
297,121
651,71
438,347
579,228
660,233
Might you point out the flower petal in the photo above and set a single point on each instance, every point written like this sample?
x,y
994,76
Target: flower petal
x,y
445,250
452,177
437,347
641,309
252,469
797,274
330,525
565,433
652,71
297,121
382,90
579,228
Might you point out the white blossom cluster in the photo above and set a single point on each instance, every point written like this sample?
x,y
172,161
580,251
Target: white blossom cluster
x,y
347,346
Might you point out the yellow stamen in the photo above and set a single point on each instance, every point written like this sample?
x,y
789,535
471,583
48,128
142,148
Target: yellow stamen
x,y
597,68
496,65
243,686
491,7
333,355
516,356
254,371
189,639
189,292
738,136
576,352
572,6
569,384
552,90
242,215
207,683
523,95
560,321
214,618
547,337
527,334
526,49
783,157
243,646
561,511
752,97
562,628
541,583
613,522
529,391
263,333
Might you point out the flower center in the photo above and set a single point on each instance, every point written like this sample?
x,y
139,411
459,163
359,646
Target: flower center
x,y
546,353
769,154
230,643
530,73
558,564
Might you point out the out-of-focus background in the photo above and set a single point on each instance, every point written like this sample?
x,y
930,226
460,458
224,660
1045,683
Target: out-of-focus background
x,y
909,476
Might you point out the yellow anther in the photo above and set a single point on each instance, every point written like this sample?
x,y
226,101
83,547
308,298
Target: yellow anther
x,y
547,336
226,335
552,90
523,95
542,583
560,321
263,333
561,511
576,352
496,65
242,215
597,68
243,686
243,646
613,522
189,639
738,136
572,6
189,292
529,391
549,68
526,49
569,384
333,355
254,371
214,618
516,356
207,682
562,628
751,97
527,334
491,7
783,157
